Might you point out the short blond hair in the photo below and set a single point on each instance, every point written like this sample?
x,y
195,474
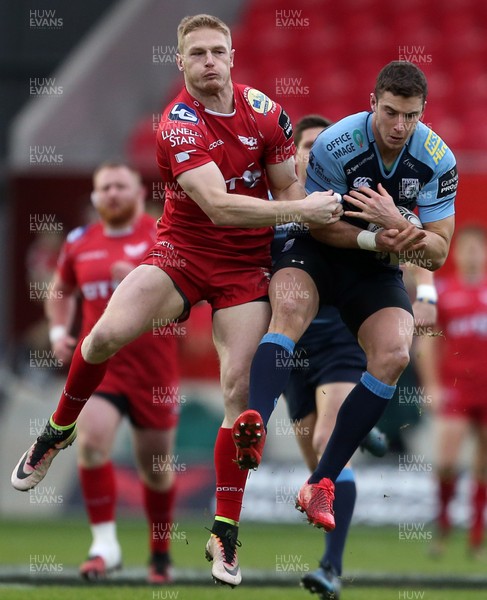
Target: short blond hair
x,y
192,23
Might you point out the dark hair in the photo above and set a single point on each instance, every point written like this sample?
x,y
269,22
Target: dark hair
x,y
308,122
402,78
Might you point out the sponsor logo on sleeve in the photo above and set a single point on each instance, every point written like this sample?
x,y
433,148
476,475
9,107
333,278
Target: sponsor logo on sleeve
x,y
183,112
258,101
435,147
183,156
285,124
448,183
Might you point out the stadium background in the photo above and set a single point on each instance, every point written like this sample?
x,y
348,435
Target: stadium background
x,y
88,80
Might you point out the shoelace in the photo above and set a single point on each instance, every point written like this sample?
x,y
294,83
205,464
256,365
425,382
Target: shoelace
x,y
44,442
325,498
229,543
40,449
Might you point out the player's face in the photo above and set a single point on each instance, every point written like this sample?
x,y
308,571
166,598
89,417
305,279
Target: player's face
x,y
206,61
395,119
302,151
117,196
470,254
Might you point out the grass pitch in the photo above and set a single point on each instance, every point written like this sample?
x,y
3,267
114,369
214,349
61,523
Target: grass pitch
x,y
204,593
379,563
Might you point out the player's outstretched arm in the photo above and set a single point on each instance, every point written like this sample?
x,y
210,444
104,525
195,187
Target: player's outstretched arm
x,y
207,187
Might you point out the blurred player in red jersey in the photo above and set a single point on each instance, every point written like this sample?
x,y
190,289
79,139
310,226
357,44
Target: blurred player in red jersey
x,y
452,370
221,147
94,259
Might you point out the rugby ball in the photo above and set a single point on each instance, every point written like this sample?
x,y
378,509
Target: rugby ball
x,y
406,213
410,216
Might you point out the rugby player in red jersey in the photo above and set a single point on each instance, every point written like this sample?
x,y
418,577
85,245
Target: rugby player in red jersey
x,y
221,148
452,369
93,260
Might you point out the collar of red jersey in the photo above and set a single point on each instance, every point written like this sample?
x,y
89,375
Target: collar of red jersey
x,y
219,114
113,232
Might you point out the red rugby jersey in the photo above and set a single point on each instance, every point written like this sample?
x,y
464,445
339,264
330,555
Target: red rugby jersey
x,y
85,263
462,316
257,133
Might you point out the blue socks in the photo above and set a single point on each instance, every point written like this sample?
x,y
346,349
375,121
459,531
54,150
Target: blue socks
x,y
358,414
269,373
345,495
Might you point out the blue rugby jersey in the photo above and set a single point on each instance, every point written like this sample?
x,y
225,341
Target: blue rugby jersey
x,y
345,157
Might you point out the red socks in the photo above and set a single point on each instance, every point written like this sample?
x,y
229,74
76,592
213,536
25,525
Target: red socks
x,y
83,379
159,510
446,491
230,480
479,494
99,492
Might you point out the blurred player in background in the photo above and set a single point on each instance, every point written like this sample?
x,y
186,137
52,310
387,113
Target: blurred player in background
x,y
93,260
315,393
220,148
380,159
452,369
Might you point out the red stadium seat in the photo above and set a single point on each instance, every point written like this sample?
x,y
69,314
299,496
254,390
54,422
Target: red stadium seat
x,y
336,53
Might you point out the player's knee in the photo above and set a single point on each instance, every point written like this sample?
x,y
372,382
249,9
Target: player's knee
x,y
320,439
400,359
91,452
101,343
159,480
289,314
235,388
388,363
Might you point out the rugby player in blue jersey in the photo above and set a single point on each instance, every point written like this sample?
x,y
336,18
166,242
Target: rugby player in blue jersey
x,y
317,389
377,160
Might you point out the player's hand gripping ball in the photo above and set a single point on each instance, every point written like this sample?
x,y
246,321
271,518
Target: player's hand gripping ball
x,y
406,213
